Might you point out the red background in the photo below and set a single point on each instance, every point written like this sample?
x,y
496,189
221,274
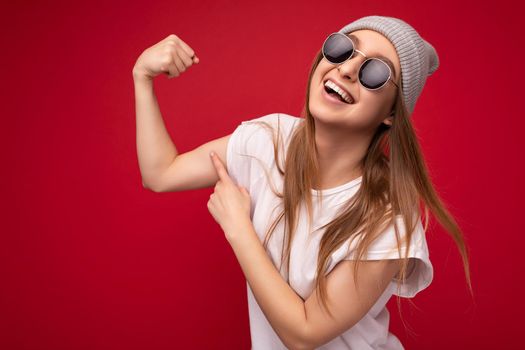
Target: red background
x,y
89,259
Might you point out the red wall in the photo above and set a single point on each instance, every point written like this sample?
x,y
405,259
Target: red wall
x,y
89,259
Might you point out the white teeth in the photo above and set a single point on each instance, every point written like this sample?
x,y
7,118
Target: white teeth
x,y
336,88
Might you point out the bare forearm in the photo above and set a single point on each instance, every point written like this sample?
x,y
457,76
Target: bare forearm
x,y
155,150
283,308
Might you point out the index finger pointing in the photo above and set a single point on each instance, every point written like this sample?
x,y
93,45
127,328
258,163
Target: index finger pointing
x,y
219,166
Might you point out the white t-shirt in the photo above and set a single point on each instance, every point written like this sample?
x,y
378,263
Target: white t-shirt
x,y
371,332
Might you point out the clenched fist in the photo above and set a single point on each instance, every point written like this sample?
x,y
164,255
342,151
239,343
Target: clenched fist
x,y
171,56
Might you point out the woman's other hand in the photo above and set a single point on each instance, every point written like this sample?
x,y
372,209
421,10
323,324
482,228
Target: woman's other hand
x,y
230,204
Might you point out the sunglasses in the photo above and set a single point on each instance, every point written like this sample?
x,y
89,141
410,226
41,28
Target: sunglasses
x,y
374,73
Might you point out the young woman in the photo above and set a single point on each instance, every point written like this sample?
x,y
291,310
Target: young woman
x,y
324,212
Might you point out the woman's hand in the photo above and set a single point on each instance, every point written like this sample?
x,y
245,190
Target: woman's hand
x,y
171,56
230,204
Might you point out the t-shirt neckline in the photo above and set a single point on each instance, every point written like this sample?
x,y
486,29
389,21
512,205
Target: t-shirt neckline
x,y
339,188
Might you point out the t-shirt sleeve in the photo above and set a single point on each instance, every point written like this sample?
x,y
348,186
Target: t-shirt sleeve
x,y
420,275
249,144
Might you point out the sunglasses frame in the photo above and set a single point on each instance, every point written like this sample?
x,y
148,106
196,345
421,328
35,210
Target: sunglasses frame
x,y
354,50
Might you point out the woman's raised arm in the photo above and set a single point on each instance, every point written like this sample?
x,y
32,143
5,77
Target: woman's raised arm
x,y
192,170
156,152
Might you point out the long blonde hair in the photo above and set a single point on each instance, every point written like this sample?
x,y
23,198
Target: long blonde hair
x,y
395,182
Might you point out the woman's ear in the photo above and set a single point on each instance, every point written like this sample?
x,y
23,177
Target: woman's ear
x,y
388,120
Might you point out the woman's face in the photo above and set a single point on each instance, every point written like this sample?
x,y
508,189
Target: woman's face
x,y
370,108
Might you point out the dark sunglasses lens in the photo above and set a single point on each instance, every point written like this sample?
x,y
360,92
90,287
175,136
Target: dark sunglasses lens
x,y
337,48
373,74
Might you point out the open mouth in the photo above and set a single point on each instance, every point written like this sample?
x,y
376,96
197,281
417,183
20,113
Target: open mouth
x,y
333,97
336,92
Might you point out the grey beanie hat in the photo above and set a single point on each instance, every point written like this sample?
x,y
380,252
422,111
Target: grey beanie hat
x,y
417,57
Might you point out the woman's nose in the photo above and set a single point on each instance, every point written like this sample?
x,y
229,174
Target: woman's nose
x,y
350,67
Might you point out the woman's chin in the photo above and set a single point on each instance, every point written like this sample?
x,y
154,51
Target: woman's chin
x,y
327,112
